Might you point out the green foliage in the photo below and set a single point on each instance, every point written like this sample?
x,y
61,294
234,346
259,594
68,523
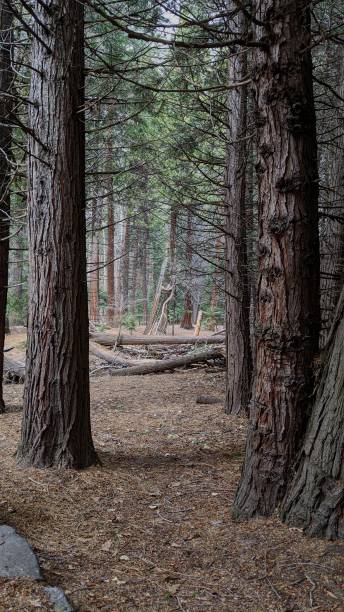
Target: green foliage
x,y
102,327
130,322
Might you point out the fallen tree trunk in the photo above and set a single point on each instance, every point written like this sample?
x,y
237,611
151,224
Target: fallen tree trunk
x,y
122,340
106,356
14,371
113,358
169,364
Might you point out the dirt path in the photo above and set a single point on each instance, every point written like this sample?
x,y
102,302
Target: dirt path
x,y
151,530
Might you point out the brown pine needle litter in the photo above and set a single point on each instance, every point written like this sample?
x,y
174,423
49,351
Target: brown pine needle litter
x,y
151,529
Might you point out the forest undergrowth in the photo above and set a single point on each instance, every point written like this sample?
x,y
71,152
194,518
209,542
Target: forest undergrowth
x,y
151,529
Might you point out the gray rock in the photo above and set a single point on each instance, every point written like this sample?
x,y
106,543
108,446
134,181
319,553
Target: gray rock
x,y
58,599
16,556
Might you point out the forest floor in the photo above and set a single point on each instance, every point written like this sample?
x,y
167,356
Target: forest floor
x,y
151,529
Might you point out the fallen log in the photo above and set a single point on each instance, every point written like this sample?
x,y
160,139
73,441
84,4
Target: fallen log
x,y
113,358
122,340
169,364
14,371
105,355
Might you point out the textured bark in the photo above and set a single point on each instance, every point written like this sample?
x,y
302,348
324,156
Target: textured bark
x,y
316,498
56,427
287,319
332,245
237,296
6,79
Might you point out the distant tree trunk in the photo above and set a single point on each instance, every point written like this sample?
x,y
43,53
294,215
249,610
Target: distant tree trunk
x,y
186,322
288,313
214,296
6,79
56,430
118,215
135,267
237,295
125,266
94,280
110,269
316,498
156,301
144,265
332,245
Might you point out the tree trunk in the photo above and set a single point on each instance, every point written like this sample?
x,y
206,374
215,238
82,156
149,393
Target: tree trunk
x,y
214,298
135,267
156,301
94,280
56,430
287,319
316,498
237,296
6,79
186,322
110,269
332,245
125,266
144,265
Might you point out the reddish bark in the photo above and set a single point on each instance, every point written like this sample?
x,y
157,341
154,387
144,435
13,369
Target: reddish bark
x,y
56,428
288,317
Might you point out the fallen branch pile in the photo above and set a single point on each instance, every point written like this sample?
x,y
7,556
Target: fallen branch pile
x,y
162,365
14,370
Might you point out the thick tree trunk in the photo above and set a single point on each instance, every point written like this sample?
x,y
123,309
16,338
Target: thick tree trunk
x,y
237,297
56,428
6,79
287,321
332,245
316,498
